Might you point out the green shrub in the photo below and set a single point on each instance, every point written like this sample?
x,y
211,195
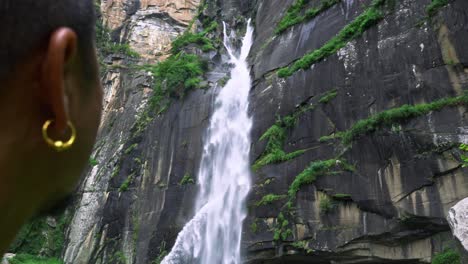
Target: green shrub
x,y
116,171
464,157
105,45
254,226
449,256
93,162
119,48
119,258
303,245
131,148
30,259
356,28
397,115
328,97
36,237
281,231
326,204
341,196
270,198
199,39
310,174
126,184
175,76
435,5
276,136
161,255
187,179
293,15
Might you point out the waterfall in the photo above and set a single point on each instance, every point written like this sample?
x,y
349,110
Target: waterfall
x,y
213,236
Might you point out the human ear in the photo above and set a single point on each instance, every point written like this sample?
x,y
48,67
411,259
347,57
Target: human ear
x,y
62,47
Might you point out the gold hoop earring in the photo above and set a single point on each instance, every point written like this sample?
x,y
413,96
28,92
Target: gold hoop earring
x,y
59,145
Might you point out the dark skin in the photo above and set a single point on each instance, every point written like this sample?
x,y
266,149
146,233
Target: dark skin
x,y
48,85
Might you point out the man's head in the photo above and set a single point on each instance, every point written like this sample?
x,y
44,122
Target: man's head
x,y
48,71
26,26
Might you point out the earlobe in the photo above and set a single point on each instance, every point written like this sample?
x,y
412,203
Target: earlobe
x,y
61,49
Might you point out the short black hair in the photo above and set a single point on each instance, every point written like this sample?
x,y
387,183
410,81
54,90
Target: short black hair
x,y
26,25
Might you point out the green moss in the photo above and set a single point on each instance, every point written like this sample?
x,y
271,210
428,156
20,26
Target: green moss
x,y
449,256
126,184
131,148
187,179
199,39
326,204
270,198
30,259
276,136
116,171
136,228
341,196
118,258
356,28
294,17
310,174
174,77
434,6
106,46
118,48
325,99
93,162
142,122
397,115
138,160
303,245
464,157
327,138
254,226
36,237
281,231
161,255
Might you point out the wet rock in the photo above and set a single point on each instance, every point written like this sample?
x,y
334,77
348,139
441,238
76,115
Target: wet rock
x,y
458,221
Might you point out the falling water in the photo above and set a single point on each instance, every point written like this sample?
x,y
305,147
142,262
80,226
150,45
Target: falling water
x,y
213,236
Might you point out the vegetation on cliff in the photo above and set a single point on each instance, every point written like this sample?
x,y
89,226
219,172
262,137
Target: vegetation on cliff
x,y
181,71
175,76
356,28
281,231
294,16
464,157
187,179
30,259
276,134
274,153
448,256
199,39
395,116
43,236
106,46
313,171
270,198
435,5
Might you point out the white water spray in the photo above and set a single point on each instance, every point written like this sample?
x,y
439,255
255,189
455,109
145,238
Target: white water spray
x,y
213,236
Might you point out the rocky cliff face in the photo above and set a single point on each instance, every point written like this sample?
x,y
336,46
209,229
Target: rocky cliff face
x,y
355,143
149,26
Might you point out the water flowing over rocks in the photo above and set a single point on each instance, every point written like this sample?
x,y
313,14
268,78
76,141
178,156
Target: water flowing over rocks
x,y
224,180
